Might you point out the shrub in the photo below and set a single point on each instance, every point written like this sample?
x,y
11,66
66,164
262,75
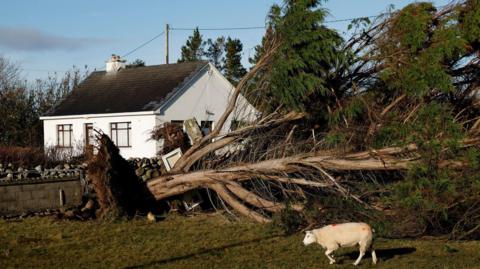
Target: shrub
x,y
288,220
21,156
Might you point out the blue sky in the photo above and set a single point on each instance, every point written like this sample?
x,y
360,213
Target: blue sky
x,y
53,35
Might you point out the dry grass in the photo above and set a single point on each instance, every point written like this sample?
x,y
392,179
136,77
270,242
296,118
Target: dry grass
x,y
200,242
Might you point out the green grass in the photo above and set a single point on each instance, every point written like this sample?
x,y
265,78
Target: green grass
x,y
201,242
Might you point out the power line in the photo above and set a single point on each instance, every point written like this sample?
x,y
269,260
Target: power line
x,y
143,44
263,27
351,19
135,49
218,29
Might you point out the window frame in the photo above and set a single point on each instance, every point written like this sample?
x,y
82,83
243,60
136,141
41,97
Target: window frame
x,y
206,124
62,131
116,129
88,126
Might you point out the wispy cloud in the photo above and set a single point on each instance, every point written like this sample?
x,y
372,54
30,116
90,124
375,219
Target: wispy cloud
x,y
33,40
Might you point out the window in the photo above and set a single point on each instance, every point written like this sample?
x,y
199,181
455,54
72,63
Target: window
x,y
89,134
206,127
64,135
120,133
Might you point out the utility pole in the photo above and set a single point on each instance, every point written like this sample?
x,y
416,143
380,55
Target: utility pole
x,y
167,28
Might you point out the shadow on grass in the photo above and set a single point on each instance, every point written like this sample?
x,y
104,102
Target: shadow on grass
x,y
384,254
206,251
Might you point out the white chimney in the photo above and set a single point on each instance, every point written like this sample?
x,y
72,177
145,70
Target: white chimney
x,y
115,63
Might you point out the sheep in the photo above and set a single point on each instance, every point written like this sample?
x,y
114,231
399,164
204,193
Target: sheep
x,y
333,236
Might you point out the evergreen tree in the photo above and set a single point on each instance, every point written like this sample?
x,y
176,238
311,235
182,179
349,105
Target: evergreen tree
x,y
193,49
233,68
215,52
300,74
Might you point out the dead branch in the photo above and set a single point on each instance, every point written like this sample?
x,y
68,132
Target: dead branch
x,y
183,163
235,204
231,137
392,104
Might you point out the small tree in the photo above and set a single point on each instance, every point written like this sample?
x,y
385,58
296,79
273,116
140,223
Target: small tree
x,y
215,52
233,67
193,50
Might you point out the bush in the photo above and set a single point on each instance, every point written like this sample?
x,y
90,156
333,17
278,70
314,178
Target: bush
x,y
288,220
33,156
22,156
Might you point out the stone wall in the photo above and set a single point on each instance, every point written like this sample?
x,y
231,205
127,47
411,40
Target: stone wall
x,y
35,189
41,195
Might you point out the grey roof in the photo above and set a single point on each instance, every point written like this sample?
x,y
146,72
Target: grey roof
x,y
128,90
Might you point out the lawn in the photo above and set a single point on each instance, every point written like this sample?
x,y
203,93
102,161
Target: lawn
x,y
204,241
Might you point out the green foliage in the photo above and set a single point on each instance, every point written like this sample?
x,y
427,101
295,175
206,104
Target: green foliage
x,y
470,21
215,51
417,48
354,110
335,138
193,50
288,220
431,188
432,129
233,68
307,55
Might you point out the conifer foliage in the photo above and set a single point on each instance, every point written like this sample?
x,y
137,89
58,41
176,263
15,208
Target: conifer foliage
x,y
309,52
233,67
215,52
193,50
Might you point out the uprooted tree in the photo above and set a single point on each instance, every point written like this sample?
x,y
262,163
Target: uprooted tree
x,y
385,123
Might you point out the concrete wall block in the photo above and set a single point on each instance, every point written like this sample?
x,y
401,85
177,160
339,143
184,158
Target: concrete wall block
x,y
38,194
32,187
25,195
8,196
14,188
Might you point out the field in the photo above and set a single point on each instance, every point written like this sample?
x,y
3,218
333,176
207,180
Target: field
x,y
201,241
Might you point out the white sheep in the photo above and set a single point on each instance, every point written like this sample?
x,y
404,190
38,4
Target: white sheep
x,y
333,236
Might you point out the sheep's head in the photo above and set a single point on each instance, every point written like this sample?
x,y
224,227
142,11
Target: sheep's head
x,y
309,238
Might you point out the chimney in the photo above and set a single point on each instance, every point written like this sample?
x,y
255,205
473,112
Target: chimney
x,y
115,63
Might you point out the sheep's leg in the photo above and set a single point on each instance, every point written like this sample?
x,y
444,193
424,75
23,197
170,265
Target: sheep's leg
x,y
363,248
374,257
359,258
327,253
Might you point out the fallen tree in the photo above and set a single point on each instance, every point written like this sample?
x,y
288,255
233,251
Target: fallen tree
x,y
374,122
226,181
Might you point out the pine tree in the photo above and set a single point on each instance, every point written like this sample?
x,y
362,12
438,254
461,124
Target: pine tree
x,y
193,50
309,52
215,52
233,67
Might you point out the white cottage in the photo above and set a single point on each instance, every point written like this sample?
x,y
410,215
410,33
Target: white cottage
x,y
127,104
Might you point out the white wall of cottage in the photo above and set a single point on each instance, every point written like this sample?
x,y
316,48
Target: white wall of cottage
x,y
141,125
204,97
